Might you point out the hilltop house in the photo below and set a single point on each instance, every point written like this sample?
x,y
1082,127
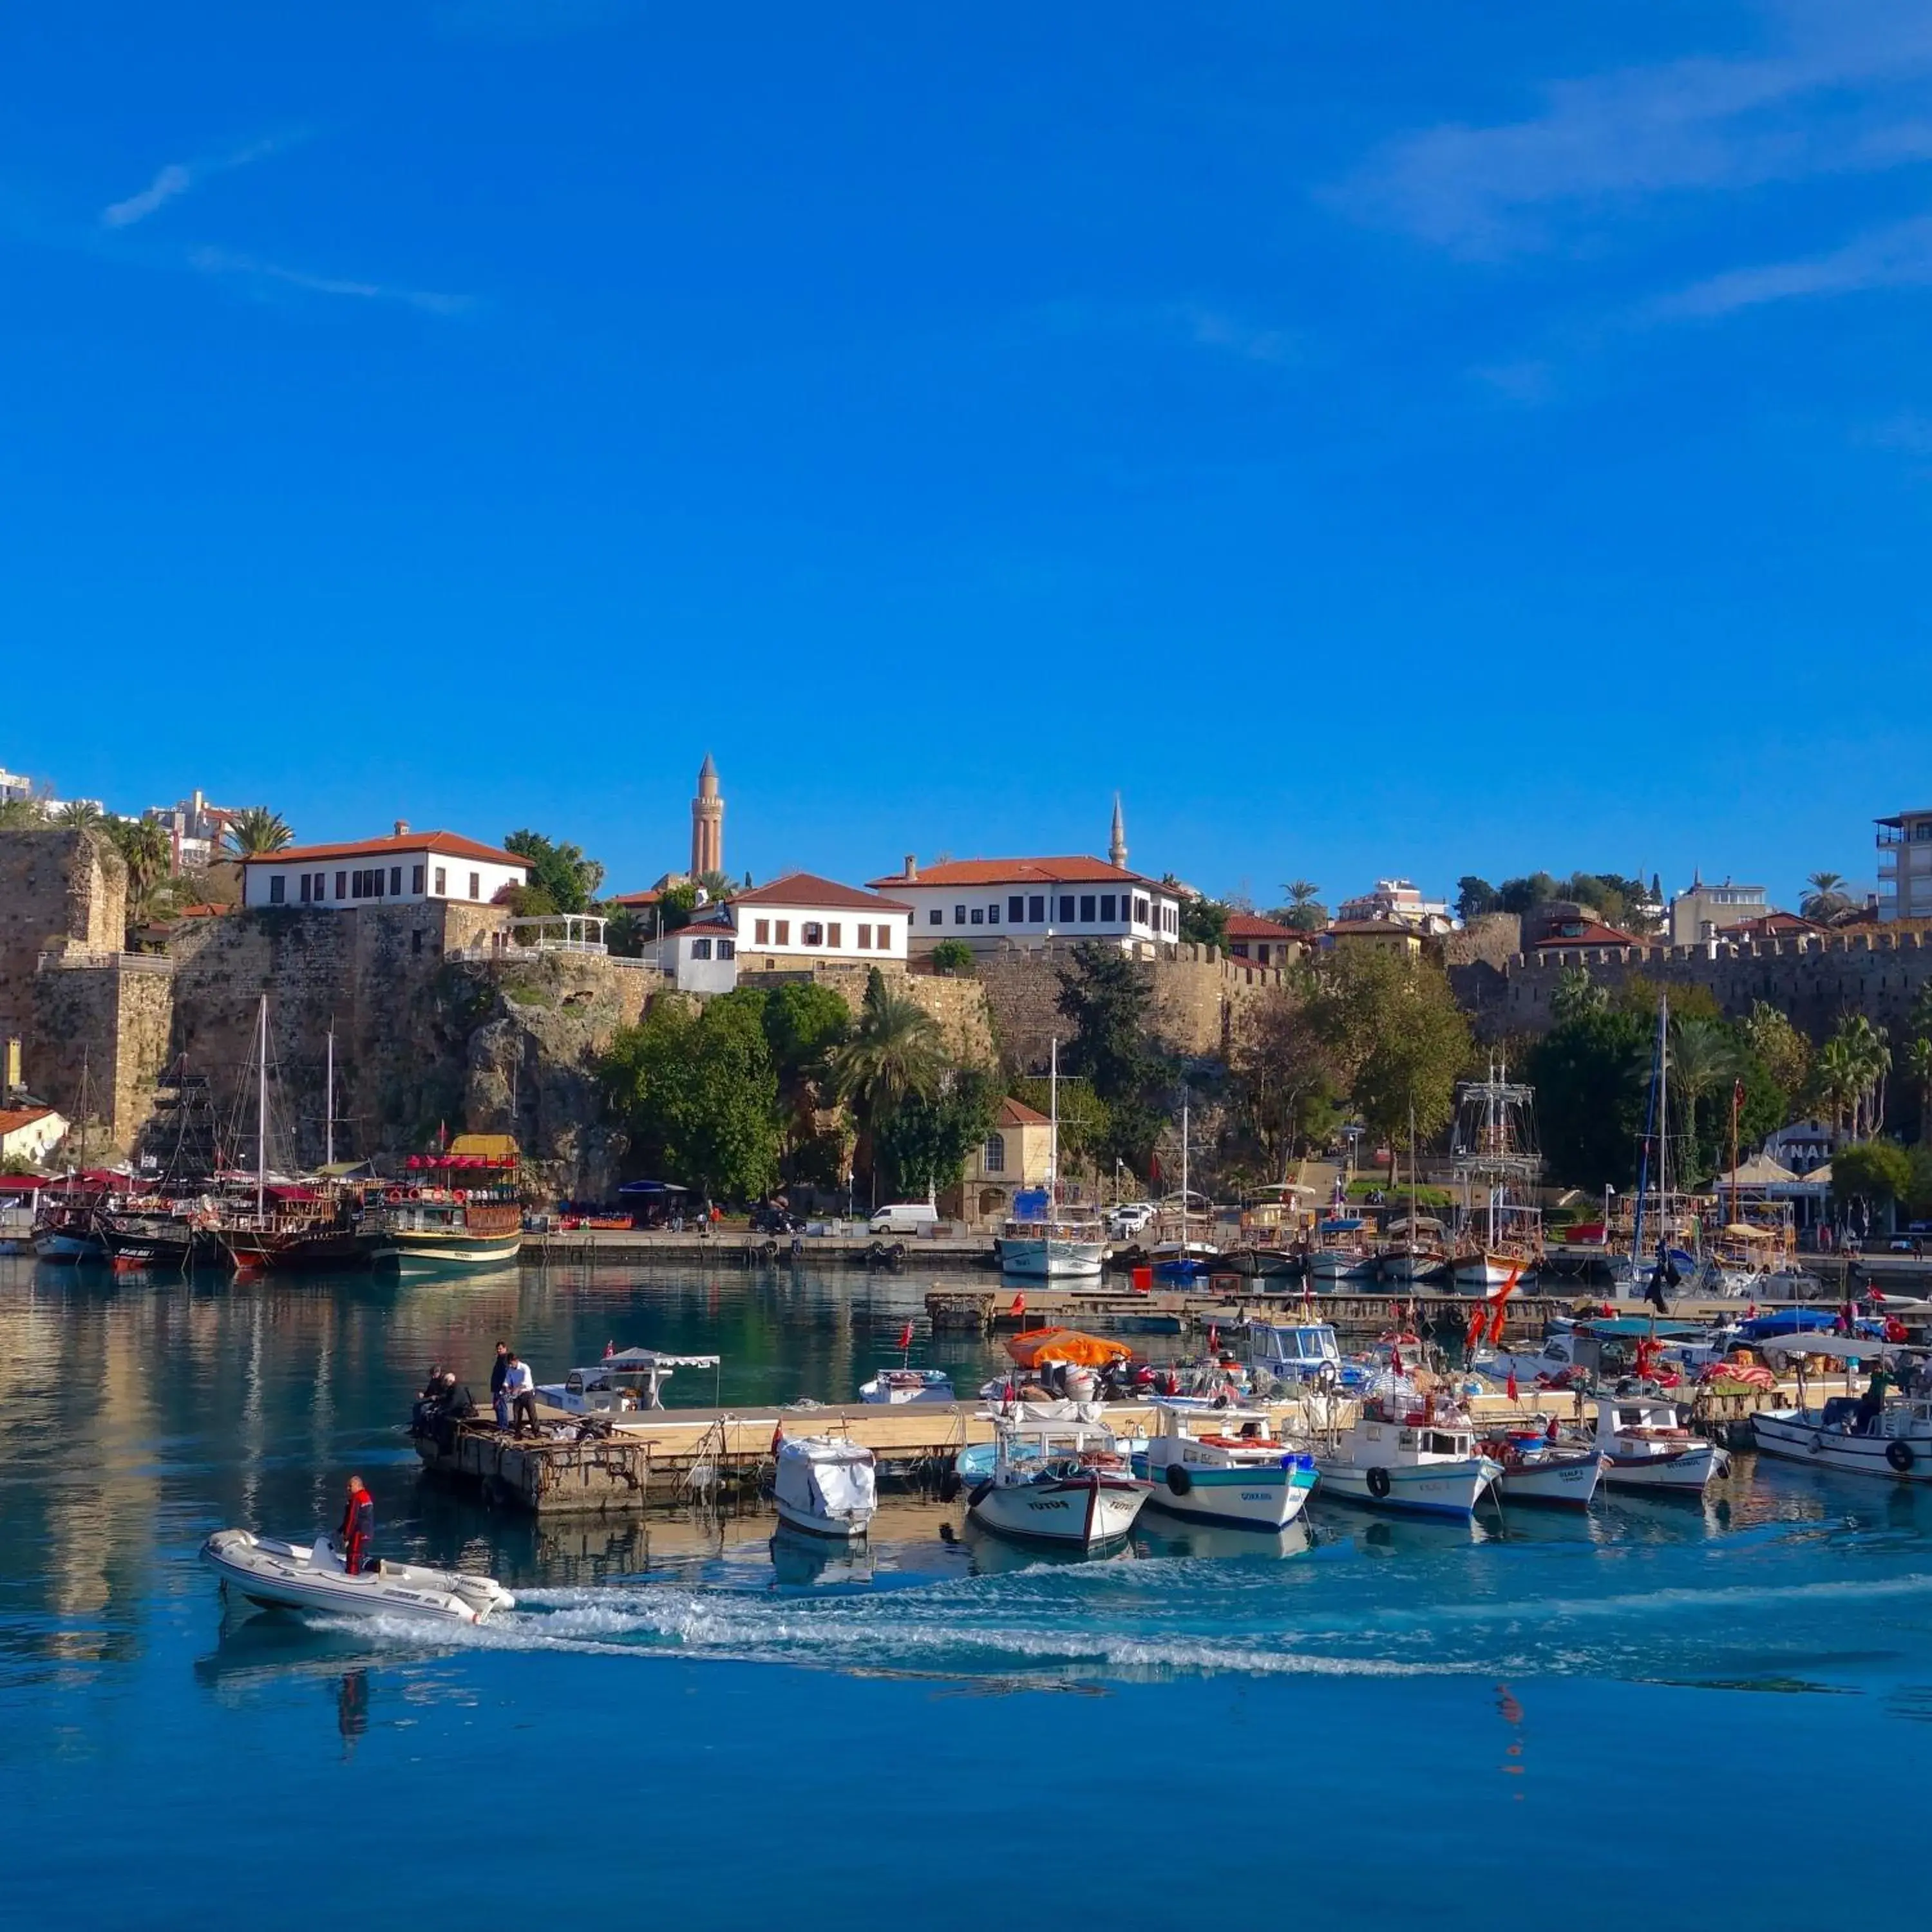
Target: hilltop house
x,y
30,1133
1014,1156
410,866
1263,940
798,923
993,904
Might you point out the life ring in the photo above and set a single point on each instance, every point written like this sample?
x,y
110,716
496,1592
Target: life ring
x,y
1377,1480
771,1251
415,1193
394,1196
1178,1480
1899,1454
1326,1377
899,1251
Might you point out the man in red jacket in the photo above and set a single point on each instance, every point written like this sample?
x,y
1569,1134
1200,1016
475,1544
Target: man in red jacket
x,y
359,1525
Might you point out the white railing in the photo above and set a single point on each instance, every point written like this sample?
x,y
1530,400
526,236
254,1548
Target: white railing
x,y
75,958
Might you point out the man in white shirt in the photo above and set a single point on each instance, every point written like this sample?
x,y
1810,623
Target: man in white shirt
x,y
521,1386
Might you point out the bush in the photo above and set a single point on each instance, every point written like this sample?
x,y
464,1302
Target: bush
x,y
953,956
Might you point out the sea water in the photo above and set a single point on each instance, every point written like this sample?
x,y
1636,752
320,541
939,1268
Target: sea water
x,y
1714,1708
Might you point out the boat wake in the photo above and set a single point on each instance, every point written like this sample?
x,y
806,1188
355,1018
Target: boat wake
x,y
1709,1620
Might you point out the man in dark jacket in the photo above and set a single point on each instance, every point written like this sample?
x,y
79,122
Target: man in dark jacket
x,y
453,1404
498,1400
358,1526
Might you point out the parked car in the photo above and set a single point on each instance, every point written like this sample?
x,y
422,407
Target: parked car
x,y
1129,1217
770,1217
904,1217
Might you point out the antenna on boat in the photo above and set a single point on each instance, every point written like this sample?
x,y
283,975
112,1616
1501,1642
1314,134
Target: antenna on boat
x,y
328,1103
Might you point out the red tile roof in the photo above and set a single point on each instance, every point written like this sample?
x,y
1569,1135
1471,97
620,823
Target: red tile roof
x,y
807,888
13,1119
637,898
1348,928
1588,932
1017,1114
1246,926
1072,871
446,843
1768,925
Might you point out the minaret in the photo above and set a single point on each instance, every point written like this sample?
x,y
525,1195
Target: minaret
x,y
1116,845
707,823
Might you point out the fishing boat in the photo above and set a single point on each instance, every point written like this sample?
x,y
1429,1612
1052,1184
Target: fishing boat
x,y
1646,1446
1068,1485
1417,1251
826,1486
1891,1437
1340,1251
1183,1258
1303,1352
1058,1242
1539,1470
896,1386
1410,1453
622,1383
1226,1467
276,1575
445,1235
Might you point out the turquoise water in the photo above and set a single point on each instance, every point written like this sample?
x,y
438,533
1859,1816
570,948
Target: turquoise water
x,y
1372,1723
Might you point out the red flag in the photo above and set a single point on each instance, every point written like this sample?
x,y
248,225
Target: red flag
x,y
1473,1339
905,1337
1213,1339
777,1434
1511,1385
1018,1306
1395,1359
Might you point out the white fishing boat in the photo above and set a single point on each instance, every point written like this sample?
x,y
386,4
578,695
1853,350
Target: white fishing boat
x,y
895,1386
1539,1469
630,1380
1069,1485
826,1486
1227,1467
1646,1446
1302,1351
277,1575
1409,1454
1890,1436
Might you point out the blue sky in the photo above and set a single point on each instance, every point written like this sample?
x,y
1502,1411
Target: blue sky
x,y
1385,437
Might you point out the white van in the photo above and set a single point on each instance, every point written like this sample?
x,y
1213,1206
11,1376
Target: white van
x,y
905,1217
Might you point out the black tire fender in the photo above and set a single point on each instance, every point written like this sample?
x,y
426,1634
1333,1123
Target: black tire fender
x,y
1178,1480
899,1251
1899,1453
980,1491
1377,1480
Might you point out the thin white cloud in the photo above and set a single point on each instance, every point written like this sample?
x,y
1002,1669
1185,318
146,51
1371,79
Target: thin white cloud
x,y
246,268
1848,91
1895,257
178,177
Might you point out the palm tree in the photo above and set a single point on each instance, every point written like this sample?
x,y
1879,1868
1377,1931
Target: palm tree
x,y
1304,909
256,830
77,813
895,1051
1834,1076
1703,1056
1827,898
1918,1064
1859,1056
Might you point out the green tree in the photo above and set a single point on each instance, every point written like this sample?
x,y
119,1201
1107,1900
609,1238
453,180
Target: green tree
x,y
1917,1199
1203,922
560,876
1590,1077
718,886
21,814
1287,1083
1526,894
698,1094
1826,899
923,1142
1880,1171
1304,910
677,907
1919,1065
1704,1063
952,956
805,1025
1109,1001
1785,1051
1475,897
894,1052
1393,1026
154,895
77,813
1576,993
255,831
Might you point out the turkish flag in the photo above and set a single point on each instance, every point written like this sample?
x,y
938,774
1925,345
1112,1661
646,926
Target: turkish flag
x,y
778,1435
905,1337
1511,1385
1018,1306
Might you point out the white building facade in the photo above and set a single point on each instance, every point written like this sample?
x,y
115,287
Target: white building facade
x,y
801,919
409,867
994,904
1905,866
1401,901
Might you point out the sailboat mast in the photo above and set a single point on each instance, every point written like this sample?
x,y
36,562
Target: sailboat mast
x,y
1185,1200
262,1113
1053,1132
1663,1124
328,1131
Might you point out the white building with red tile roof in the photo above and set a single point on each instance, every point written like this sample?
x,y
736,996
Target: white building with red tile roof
x,y
30,1133
801,919
408,866
995,904
1265,941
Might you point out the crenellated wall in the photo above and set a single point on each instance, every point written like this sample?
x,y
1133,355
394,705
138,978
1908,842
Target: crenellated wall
x,y
1812,979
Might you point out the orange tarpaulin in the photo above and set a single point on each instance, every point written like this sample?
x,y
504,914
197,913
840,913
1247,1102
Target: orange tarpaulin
x,y
1066,1344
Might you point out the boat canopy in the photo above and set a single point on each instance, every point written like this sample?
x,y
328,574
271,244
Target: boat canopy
x,y
1066,1344
1836,1348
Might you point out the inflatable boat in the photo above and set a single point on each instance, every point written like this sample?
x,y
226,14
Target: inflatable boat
x,y
310,1577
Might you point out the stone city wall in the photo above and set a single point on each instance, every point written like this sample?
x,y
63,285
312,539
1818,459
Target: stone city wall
x,y
1812,980
62,891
